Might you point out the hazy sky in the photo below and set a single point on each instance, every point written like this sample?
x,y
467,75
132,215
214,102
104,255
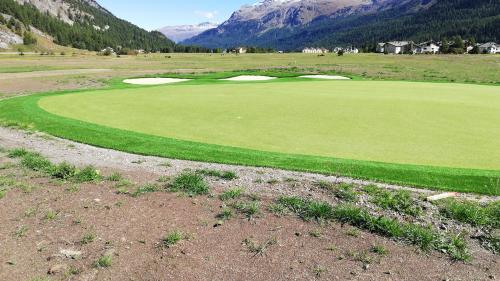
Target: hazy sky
x,y
153,14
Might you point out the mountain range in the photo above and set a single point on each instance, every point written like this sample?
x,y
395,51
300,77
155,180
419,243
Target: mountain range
x,y
279,24
182,32
294,24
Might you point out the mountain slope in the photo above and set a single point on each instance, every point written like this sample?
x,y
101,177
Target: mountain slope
x,y
82,24
294,24
183,32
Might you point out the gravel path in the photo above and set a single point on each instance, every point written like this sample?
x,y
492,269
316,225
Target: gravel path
x,y
252,178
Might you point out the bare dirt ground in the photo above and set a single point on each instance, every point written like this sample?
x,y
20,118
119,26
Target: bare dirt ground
x,y
64,228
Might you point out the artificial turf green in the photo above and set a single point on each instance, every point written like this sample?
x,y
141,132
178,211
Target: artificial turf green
x,y
303,125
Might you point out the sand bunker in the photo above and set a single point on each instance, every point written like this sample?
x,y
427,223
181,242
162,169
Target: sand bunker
x,y
249,78
329,77
153,81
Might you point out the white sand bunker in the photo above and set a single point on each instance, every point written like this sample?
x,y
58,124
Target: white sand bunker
x,y
329,77
153,81
249,78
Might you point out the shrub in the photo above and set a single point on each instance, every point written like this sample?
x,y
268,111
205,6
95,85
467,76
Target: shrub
x,y
29,38
190,183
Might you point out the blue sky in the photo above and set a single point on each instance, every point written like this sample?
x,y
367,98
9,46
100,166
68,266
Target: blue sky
x,y
153,14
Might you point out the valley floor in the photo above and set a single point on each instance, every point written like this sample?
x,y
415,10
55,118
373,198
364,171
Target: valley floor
x,y
126,222
65,228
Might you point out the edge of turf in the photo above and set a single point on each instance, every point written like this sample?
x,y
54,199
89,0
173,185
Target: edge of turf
x,y
25,110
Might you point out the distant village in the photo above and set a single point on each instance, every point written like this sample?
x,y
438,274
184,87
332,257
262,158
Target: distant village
x,y
392,47
410,47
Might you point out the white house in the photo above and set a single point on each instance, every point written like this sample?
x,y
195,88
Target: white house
x,y
489,48
427,48
315,51
241,50
398,47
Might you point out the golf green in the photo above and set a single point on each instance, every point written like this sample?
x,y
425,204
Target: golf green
x,y
432,124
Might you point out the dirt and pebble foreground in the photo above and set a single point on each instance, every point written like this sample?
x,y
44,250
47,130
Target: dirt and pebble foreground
x,y
64,230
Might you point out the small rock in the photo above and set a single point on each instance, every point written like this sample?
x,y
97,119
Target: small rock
x,y
219,223
366,266
387,272
298,234
57,268
97,200
492,277
70,254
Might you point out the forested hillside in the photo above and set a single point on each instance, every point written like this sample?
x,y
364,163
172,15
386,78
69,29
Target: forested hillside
x,y
479,19
93,29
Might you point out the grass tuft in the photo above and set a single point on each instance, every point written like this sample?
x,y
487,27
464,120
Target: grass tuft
x,y
379,250
87,239
249,209
104,261
36,162
346,192
87,174
233,193
226,175
172,238
472,213
225,214
259,248
147,188
18,153
399,201
190,183
115,177
50,215
63,171
424,237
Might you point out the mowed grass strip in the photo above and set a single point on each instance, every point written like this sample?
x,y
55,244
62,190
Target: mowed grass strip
x,y
26,110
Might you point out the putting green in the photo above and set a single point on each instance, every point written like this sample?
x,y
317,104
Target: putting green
x,y
434,124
